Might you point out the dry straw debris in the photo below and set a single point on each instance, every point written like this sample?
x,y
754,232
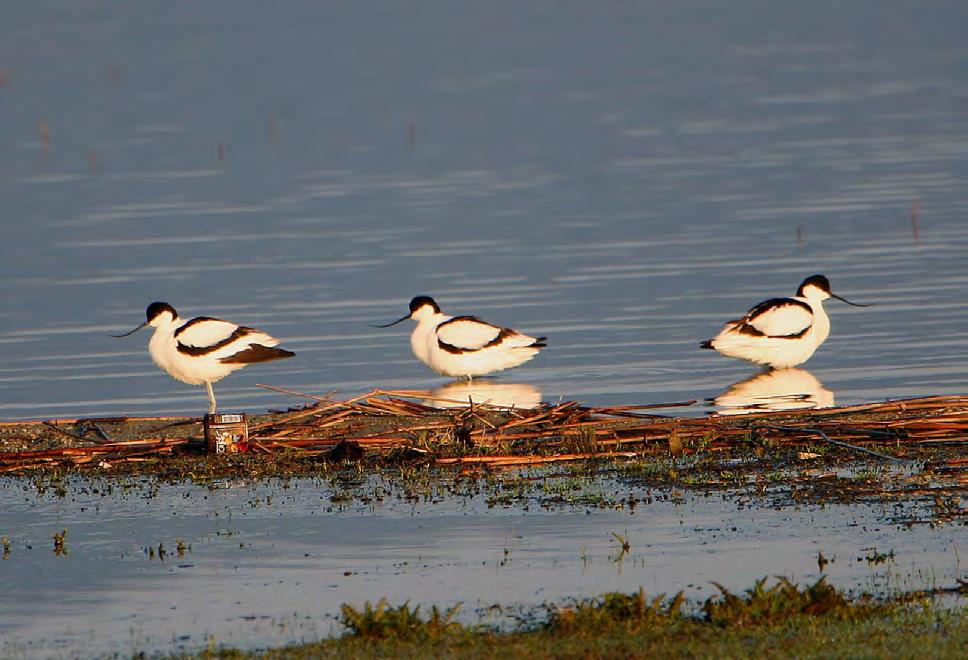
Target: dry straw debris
x,y
396,422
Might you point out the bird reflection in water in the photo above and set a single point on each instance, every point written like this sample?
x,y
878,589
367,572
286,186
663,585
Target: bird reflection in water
x,y
777,389
481,391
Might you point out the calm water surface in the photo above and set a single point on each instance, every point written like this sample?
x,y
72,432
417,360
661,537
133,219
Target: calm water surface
x,y
622,179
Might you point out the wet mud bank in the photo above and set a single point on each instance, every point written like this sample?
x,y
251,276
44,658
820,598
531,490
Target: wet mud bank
x,y
907,449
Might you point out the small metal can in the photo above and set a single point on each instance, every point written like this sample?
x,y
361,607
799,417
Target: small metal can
x,y
226,433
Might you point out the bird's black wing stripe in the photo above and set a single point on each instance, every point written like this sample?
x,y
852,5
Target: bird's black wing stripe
x,y
198,351
458,350
502,334
774,303
743,326
795,335
456,319
195,321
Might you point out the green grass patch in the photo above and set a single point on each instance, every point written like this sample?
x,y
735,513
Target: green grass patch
x,y
781,620
630,611
381,621
762,604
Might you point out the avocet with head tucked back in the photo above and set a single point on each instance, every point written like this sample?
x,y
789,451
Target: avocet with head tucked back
x,y
465,346
780,332
204,350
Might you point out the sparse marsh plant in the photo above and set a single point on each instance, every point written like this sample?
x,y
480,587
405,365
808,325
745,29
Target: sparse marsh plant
x,y
60,543
381,621
632,611
761,604
874,557
623,546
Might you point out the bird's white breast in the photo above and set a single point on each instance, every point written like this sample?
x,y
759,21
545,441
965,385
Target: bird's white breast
x,y
423,339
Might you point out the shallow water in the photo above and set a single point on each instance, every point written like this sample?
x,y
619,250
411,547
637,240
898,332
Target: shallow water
x,y
271,565
622,180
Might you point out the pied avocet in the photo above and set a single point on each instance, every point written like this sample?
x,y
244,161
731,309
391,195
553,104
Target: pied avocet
x,y
465,346
780,332
204,350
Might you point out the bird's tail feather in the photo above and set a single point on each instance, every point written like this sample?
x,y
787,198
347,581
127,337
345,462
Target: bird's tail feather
x,y
257,353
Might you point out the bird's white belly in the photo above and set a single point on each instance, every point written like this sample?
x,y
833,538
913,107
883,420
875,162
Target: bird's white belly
x,y
193,370
478,363
777,353
475,363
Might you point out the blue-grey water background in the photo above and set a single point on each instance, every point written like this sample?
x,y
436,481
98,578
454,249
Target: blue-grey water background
x,y
621,177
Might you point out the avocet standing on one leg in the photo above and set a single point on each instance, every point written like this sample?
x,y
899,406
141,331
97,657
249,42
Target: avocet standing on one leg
x,y
465,346
780,332
204,350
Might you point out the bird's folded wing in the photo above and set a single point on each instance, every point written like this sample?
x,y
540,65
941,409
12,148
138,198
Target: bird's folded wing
x,y
780,317
203,332
467,333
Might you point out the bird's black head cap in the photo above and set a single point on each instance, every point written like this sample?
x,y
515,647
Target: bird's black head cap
x,y
819,281
420,301
157,308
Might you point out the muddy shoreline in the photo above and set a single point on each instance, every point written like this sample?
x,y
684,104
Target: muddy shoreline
x,y
909,450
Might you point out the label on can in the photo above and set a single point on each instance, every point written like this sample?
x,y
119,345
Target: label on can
x,y
226,433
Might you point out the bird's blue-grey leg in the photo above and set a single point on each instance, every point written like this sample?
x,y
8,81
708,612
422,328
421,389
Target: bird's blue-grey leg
x,y
211,398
